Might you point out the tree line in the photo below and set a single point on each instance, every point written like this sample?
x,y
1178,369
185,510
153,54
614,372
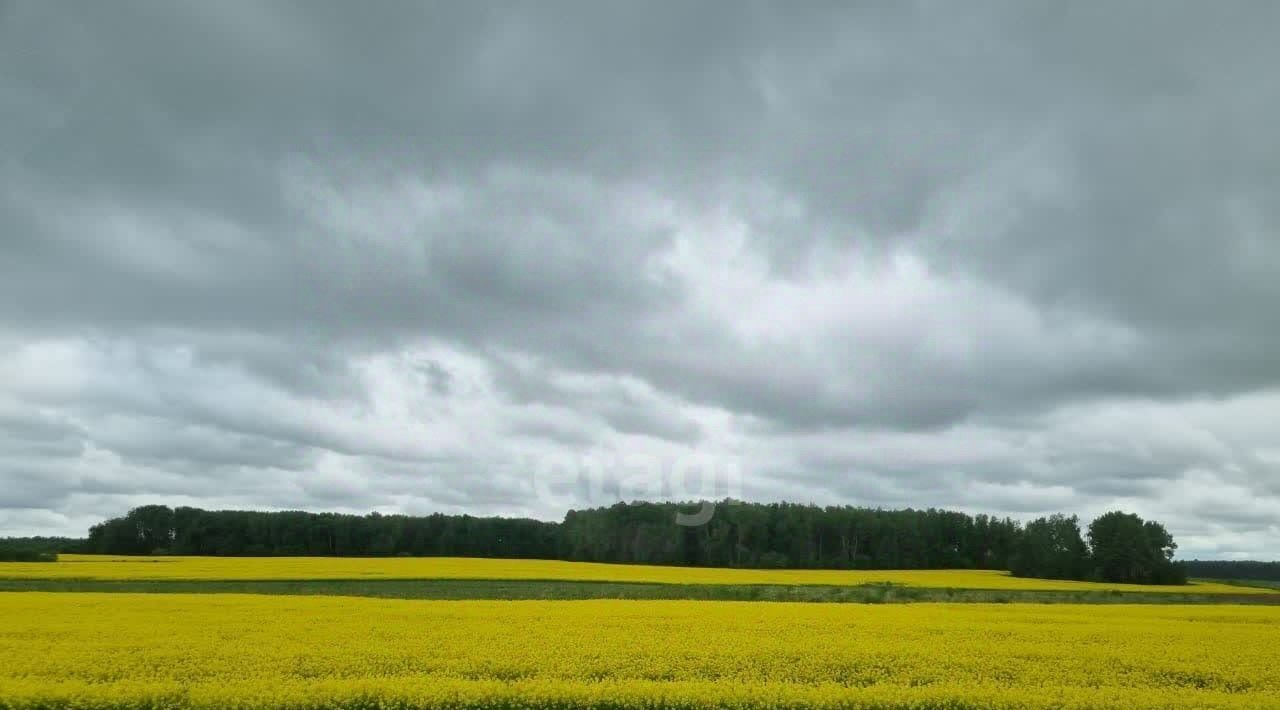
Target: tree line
x,y
1242,569
786,535
160,530
1121,547
36,549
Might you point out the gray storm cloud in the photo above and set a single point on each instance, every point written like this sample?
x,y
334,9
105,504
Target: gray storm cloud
x,y
1010,258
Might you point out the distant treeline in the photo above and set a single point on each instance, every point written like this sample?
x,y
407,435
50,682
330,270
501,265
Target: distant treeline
x,y
785,535
1121,547
778,535
1210,569
159,530
36,549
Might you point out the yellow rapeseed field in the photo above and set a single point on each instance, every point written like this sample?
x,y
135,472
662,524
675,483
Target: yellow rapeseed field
x,y
109,651
304,568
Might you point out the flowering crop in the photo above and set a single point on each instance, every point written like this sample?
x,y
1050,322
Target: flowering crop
x,y
115,651
305,568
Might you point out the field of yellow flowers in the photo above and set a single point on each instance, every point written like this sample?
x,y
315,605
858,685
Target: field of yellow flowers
x,y
104,567
108,651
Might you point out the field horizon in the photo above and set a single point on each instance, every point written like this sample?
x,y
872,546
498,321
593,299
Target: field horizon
x,y
301,569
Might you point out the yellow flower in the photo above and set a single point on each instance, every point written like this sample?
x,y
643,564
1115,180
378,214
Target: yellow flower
x,y
116,651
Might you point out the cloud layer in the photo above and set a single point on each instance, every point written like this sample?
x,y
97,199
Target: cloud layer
x,y
1011,259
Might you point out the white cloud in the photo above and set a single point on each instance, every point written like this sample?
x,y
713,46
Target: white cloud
x,y
378,260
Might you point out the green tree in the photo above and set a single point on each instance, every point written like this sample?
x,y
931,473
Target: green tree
x,y
1127,549
1051,548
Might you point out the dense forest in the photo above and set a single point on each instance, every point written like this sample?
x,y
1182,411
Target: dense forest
x,y
790,535
1121,547
36,549
158,529
739,535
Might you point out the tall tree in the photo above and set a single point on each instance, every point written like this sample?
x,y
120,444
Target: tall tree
x,y
1051,548
1127,549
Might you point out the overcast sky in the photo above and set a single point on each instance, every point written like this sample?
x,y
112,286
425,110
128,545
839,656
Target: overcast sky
x,y
1001,257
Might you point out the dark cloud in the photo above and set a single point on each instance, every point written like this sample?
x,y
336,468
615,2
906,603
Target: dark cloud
x,y
1008,258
